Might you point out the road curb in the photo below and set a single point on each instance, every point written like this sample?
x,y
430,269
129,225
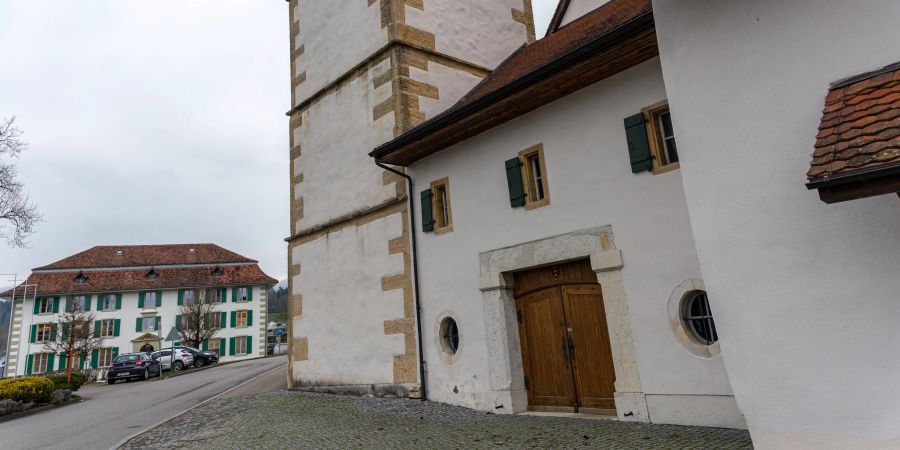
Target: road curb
x,y
125,441
38,409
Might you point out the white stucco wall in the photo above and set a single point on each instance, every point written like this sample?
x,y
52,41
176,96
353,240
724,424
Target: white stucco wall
x,y
130,312
452,85
805,294
344,308
336,36
477,31
336,135
590,185
578,8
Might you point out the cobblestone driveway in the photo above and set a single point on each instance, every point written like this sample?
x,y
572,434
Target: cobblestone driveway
x,y
278,420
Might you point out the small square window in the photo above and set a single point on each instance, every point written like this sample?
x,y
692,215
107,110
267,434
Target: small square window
x,y
188,297
150,299
440,201
149,324
216,296
78,303
108,328
664,151
534,176
105,357
109,302
242,294
240,342
241,318
44,332
39,362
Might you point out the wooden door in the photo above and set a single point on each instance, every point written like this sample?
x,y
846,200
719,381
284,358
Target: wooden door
x,y
589,348
548,370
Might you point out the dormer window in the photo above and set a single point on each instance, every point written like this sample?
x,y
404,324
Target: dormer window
x,y
152,274
81,278
120,253
217,272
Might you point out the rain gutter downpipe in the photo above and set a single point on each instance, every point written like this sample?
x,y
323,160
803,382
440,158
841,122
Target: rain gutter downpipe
x,y
415,275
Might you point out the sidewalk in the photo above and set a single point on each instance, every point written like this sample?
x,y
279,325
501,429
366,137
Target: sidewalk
x,y
287,419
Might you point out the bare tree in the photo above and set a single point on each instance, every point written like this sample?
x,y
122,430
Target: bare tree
x,y
200,318
15,207
76,339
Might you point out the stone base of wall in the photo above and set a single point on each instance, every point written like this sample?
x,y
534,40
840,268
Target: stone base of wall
x,y
377,390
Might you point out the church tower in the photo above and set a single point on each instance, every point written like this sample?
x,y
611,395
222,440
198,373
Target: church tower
x,y
364,72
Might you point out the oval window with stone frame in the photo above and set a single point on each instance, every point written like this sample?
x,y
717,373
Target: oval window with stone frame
x,y
450,335
698,317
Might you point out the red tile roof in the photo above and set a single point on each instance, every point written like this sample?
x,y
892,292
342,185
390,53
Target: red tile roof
x,y
860,127
544,51
56,283
148,255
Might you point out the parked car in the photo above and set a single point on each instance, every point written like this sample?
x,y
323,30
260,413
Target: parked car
x,y
133,365
201,357
181,359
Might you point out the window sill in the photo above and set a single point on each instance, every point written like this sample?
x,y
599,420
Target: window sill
x,y
534,205
443,230
658,170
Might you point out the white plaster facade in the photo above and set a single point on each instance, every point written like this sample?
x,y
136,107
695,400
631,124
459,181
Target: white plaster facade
x,y
805,294
578,8
592,188
24,318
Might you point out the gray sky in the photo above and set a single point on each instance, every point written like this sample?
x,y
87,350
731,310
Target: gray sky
x,y
153,122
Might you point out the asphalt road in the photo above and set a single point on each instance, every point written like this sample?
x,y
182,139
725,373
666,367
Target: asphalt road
x,y
110,414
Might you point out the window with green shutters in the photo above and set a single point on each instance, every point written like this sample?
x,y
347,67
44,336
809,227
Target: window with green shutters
x,y
249,345
95,358
638,144
231,346
45,305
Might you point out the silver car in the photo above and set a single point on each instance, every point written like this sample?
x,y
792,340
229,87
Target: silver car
x,y
182,359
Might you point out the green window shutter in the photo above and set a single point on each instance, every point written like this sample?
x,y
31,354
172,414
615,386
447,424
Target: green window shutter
x,y
231,345
141,296
249,317
158,299
427,213
178,343
204,346
65,332
55,304
51,358
33,333
115,352
249,344
63,361
178,322
638,144
222,348
234,295
224,295
87,304
118,301
157,323
139,323
98,326
233,319
99,302
37,306
514,182
29,361
95,357
249,293
180,296
116,327
53,330
222,320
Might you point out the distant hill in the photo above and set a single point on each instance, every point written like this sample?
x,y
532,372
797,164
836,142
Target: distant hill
x,y
278,301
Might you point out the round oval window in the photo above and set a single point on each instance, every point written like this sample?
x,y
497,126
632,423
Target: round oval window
x,y
698,317
450,335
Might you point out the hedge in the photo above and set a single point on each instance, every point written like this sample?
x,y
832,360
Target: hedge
x,y
32,389
59,380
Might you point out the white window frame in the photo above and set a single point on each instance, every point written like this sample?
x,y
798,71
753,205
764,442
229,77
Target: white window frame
x,y
42,329
75,299
152,326
246,292
188,297
108,351
217,296
39,362
46,303
213,345
237,319
109,302
240,343
150,300
108,328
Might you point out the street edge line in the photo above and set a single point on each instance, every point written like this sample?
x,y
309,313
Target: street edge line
x,y
125,441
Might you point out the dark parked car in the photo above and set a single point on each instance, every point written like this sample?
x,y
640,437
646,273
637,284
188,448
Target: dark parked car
x,y
201,357
132,365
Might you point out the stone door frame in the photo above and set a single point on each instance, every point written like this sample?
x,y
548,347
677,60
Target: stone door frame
x,y
507,376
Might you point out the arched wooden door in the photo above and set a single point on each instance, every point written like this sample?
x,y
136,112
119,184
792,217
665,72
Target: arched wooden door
x,y
565,340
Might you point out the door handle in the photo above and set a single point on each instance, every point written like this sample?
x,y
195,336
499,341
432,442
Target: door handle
x,y
571,341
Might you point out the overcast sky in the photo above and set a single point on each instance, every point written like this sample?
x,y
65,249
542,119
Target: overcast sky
x,y
152,122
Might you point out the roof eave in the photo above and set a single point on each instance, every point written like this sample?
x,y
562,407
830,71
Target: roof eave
x,y
460,112
857,185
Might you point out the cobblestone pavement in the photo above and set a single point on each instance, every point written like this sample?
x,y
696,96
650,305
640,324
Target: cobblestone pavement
x,y
285,419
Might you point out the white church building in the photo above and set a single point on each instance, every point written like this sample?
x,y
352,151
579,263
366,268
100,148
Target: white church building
x,y
621,218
